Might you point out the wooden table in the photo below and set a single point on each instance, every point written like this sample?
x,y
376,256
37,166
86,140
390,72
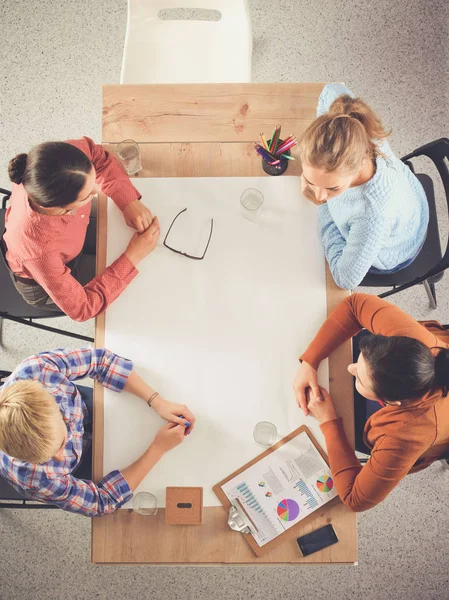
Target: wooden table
x,y
198,131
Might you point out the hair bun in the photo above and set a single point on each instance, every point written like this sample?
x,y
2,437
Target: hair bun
x,y
16,168
442,369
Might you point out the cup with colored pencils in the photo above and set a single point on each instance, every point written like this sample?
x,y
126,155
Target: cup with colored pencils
x,y
275,152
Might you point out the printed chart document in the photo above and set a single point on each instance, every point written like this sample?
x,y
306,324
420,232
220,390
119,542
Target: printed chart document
x,y
282,488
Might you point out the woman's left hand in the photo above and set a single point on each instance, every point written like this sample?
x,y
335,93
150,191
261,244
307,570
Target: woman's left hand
x,y
171,412
308,193
138,216
322,411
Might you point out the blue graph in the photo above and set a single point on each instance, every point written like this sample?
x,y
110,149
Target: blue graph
x,y
304,490
249,498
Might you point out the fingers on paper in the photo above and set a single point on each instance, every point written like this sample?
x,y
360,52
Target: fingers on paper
x,y
188,418
316,391
139,224
324,394
301,398
154,228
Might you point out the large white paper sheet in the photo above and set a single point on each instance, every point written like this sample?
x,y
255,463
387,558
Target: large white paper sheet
x,y
221,335
282,488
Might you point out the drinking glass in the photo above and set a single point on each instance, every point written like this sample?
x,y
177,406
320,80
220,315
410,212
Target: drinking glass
x,y
145,503
129,154
251,202
265,433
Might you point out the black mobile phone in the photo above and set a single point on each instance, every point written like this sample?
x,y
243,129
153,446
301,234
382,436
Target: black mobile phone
x,y
317,540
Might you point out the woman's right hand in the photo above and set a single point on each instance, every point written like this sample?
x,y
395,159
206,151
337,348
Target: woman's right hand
x,y
169,436
307,192
141,244
306,377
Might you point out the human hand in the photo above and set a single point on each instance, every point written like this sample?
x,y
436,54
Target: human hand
x,y
138,216
306,377
169,436
174,413
323,410
307,192
141,244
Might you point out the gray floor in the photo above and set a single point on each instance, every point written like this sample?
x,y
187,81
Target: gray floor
x,y
395,55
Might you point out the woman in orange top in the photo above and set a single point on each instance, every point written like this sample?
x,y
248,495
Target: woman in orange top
x,y
405,364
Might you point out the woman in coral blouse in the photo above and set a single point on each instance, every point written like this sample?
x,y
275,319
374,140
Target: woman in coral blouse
x,y
404,366
47,242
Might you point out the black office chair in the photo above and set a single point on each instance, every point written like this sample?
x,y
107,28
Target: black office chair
x,y
429,265
12,306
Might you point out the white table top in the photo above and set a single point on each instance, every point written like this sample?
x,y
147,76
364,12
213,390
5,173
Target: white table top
x,y
221,335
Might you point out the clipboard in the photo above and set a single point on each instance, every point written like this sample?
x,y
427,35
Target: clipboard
x,y
294,531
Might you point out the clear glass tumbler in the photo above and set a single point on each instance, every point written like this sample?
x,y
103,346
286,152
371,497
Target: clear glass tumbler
x,y
265,433
129,153
145,503
251,202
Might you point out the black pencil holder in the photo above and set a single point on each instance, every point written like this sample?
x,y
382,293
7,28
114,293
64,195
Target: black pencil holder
x,y
276,169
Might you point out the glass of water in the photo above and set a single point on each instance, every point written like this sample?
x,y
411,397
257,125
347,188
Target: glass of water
x,y
251,203
145,503
129,154
265,433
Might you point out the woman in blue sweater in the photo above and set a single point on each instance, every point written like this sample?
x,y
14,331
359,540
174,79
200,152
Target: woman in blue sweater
x,y
373,211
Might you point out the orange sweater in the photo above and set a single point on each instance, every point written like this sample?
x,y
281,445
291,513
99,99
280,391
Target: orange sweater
x,y
405,438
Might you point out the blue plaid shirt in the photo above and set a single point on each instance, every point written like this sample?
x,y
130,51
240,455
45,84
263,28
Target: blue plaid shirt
x,y
53,481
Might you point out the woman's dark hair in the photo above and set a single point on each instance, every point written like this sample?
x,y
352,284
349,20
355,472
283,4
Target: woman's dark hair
x,y
404,368
53,173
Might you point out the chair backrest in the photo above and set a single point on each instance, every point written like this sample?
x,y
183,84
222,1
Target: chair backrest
x,y
151,8
12,305
438,152
187,51
6,195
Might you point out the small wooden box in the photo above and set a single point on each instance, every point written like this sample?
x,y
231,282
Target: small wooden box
x,y
184,506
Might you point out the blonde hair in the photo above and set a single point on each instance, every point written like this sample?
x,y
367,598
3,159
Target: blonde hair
x,y
343,136
27,421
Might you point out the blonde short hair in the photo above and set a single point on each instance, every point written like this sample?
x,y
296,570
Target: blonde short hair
x,y
342,137
27,421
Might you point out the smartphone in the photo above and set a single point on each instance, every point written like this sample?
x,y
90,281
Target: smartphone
x,y
317,540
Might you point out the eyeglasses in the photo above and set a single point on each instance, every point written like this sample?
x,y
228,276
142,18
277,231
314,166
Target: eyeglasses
x,y
185,253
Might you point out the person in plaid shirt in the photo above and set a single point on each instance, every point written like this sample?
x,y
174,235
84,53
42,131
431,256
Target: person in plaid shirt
x,y
42,426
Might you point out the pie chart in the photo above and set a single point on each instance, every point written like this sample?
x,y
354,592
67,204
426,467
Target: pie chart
x,y
325,483
288,510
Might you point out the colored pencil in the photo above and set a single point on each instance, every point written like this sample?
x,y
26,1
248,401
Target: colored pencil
x,y
275,139
265,142
272,152
266,156
288,140
262,142
286,146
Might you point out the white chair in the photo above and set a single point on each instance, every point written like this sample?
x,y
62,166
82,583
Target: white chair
x,y
187,51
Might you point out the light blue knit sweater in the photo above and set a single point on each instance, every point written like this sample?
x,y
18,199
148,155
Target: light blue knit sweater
x,y
381,223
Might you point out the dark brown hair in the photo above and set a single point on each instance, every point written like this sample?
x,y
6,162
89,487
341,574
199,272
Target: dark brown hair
x,y
404,368
53,173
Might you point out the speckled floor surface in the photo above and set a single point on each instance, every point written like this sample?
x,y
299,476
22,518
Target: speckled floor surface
x,y
395,55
